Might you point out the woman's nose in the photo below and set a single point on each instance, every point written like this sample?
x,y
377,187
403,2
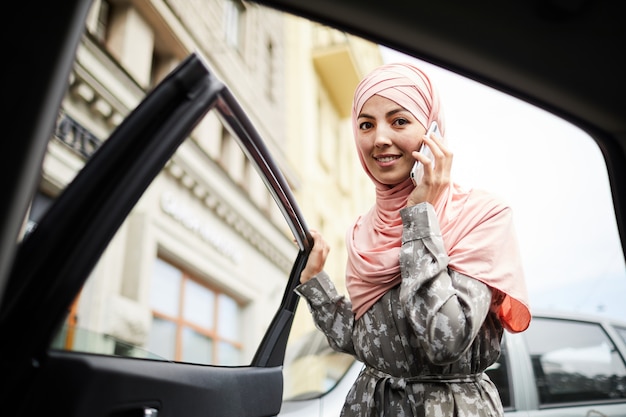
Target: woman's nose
x,y
383,136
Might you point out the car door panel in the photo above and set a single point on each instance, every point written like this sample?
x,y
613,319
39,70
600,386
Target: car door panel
x,y
73,384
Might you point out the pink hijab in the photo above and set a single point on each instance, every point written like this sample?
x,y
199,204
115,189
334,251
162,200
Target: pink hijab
x,y
477,227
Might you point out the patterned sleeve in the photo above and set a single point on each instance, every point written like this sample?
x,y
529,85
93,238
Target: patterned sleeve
x,y
446,309
332,313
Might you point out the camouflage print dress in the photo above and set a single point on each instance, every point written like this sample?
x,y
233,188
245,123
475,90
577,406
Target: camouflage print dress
x,y
425,343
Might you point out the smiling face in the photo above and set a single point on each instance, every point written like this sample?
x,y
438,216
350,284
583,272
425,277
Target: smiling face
x,y
386,135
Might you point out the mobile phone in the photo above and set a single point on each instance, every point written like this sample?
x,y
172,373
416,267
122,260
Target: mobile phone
x,y
418,170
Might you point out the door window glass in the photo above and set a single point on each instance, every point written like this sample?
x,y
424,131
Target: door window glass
x,y
228,326
165,294
199,304
162,341
197,348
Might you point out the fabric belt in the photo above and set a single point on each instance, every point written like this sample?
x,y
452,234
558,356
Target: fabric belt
x,y
402,382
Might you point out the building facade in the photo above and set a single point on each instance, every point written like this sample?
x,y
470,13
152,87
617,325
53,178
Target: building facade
x,y
198,269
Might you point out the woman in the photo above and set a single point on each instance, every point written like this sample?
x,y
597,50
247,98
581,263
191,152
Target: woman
x,y
433,274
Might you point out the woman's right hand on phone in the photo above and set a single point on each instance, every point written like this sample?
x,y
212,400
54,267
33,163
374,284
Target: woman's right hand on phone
x,y
317,257
437,172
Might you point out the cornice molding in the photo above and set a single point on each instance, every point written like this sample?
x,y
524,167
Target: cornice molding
x,y
108,110
233,218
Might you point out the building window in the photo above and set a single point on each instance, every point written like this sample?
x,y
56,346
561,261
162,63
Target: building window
x,y
234,23
162,64
191,321
101,19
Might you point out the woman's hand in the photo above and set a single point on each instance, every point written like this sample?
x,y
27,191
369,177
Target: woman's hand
x,y
317,257
435,180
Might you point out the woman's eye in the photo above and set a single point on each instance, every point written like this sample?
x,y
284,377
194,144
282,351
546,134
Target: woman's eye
x,y
401,122
365,125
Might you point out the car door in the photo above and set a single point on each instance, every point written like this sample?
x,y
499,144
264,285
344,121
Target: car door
x,y
54,259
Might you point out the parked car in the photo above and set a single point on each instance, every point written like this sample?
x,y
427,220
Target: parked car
x,y
560,56
565,364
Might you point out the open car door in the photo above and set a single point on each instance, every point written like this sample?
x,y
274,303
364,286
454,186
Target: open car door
x,y
54,260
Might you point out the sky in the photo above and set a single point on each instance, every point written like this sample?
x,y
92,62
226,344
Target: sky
x,y
554,176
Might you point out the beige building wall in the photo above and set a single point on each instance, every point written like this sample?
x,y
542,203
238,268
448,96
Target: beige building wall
x,y
324,67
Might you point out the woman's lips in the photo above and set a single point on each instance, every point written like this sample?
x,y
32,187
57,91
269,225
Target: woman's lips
x,y
386,160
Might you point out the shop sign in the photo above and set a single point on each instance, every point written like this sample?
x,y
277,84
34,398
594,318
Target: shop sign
x,y
185,216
